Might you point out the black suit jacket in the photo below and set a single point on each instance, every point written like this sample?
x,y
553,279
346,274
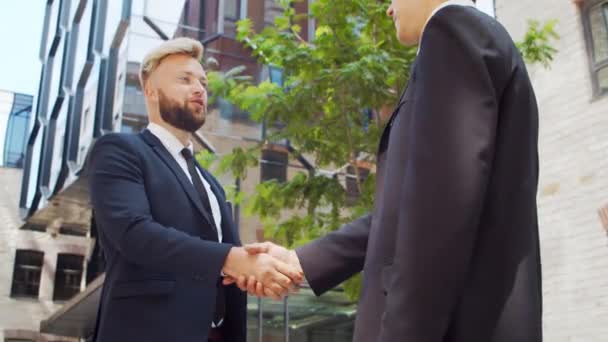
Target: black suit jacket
x,y
163,261
450,252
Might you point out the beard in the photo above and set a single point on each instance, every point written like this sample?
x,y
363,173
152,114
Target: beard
x,y
180,115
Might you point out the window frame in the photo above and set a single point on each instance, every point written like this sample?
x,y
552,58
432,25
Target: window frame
x,y
59,294
18,266
594,67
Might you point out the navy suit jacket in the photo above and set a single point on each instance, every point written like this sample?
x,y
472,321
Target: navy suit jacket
x,y
163,261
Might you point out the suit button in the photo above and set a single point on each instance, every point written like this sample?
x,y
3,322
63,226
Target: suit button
x,y
385,293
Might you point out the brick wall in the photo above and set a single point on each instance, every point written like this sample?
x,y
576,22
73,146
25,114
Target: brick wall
x,y
574,176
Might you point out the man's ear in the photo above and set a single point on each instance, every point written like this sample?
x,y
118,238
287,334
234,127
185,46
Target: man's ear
x,y
150,91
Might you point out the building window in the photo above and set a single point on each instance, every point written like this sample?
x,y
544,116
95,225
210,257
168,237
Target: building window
x,y
274,163
26,274
73,230
133,123
352,188
595,19
232,9
68,276
37,227
134,100
275,75
16,134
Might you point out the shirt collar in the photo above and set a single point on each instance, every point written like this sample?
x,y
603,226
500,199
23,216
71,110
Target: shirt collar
x,y
467,3
169,141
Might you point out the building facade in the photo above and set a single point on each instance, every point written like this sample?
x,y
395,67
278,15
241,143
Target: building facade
x,y
37,272
573,193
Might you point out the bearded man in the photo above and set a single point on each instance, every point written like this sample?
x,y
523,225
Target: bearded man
x,y
165,227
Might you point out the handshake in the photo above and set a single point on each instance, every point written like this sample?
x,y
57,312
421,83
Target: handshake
x,y
263,270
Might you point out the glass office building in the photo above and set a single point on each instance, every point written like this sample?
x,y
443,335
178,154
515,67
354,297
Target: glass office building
x,y
15,113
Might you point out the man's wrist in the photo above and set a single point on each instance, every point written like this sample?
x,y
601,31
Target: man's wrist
x,y
294,260
235,255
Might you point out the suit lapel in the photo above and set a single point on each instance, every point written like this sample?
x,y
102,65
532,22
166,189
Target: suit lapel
x,y
387,129
168,159
403,99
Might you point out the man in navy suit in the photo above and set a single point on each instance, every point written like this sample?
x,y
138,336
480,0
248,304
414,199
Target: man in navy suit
x,y
164,224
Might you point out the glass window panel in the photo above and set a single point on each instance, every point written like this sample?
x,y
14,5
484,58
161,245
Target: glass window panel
x,y
32,186
17,130
114,12
134,101
276,75
52,28
58,145
26,274
272,9
599,32
84,28
16,139
602,77
55,78
231,9
68,276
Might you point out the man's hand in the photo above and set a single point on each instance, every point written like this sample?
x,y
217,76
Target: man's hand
x,y
275,277
252,285
281,253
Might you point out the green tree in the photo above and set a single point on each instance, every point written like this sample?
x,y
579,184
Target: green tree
x,y
351,68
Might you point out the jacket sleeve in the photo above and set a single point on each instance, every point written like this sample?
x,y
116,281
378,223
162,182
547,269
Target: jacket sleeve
x,y
452,132
334,258
118,195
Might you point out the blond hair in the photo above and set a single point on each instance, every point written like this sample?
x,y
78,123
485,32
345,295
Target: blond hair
x,y
177,46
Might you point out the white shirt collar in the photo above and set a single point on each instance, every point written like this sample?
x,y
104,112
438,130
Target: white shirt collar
x,y
468,3
169,141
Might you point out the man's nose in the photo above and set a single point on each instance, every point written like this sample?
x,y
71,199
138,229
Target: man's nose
x,y
199,88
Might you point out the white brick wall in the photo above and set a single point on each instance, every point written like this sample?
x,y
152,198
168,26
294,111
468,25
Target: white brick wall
x,y
26,314
574,177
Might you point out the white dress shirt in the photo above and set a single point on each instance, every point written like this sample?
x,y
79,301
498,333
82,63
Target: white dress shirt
x,y
466,3
175,147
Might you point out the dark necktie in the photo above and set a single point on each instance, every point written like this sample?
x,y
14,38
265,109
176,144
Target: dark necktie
x,y
220,300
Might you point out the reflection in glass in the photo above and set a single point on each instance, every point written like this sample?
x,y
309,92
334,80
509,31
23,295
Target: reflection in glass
x,y
231,9
16,133
599,32
602,76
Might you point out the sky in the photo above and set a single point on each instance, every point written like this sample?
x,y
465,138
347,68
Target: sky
x,y
486,6
20,32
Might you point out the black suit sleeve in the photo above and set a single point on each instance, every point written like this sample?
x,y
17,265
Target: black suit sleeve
x,y
452,133
122,210
334,258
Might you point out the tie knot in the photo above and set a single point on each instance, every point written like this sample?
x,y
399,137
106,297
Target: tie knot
x,y
187,153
